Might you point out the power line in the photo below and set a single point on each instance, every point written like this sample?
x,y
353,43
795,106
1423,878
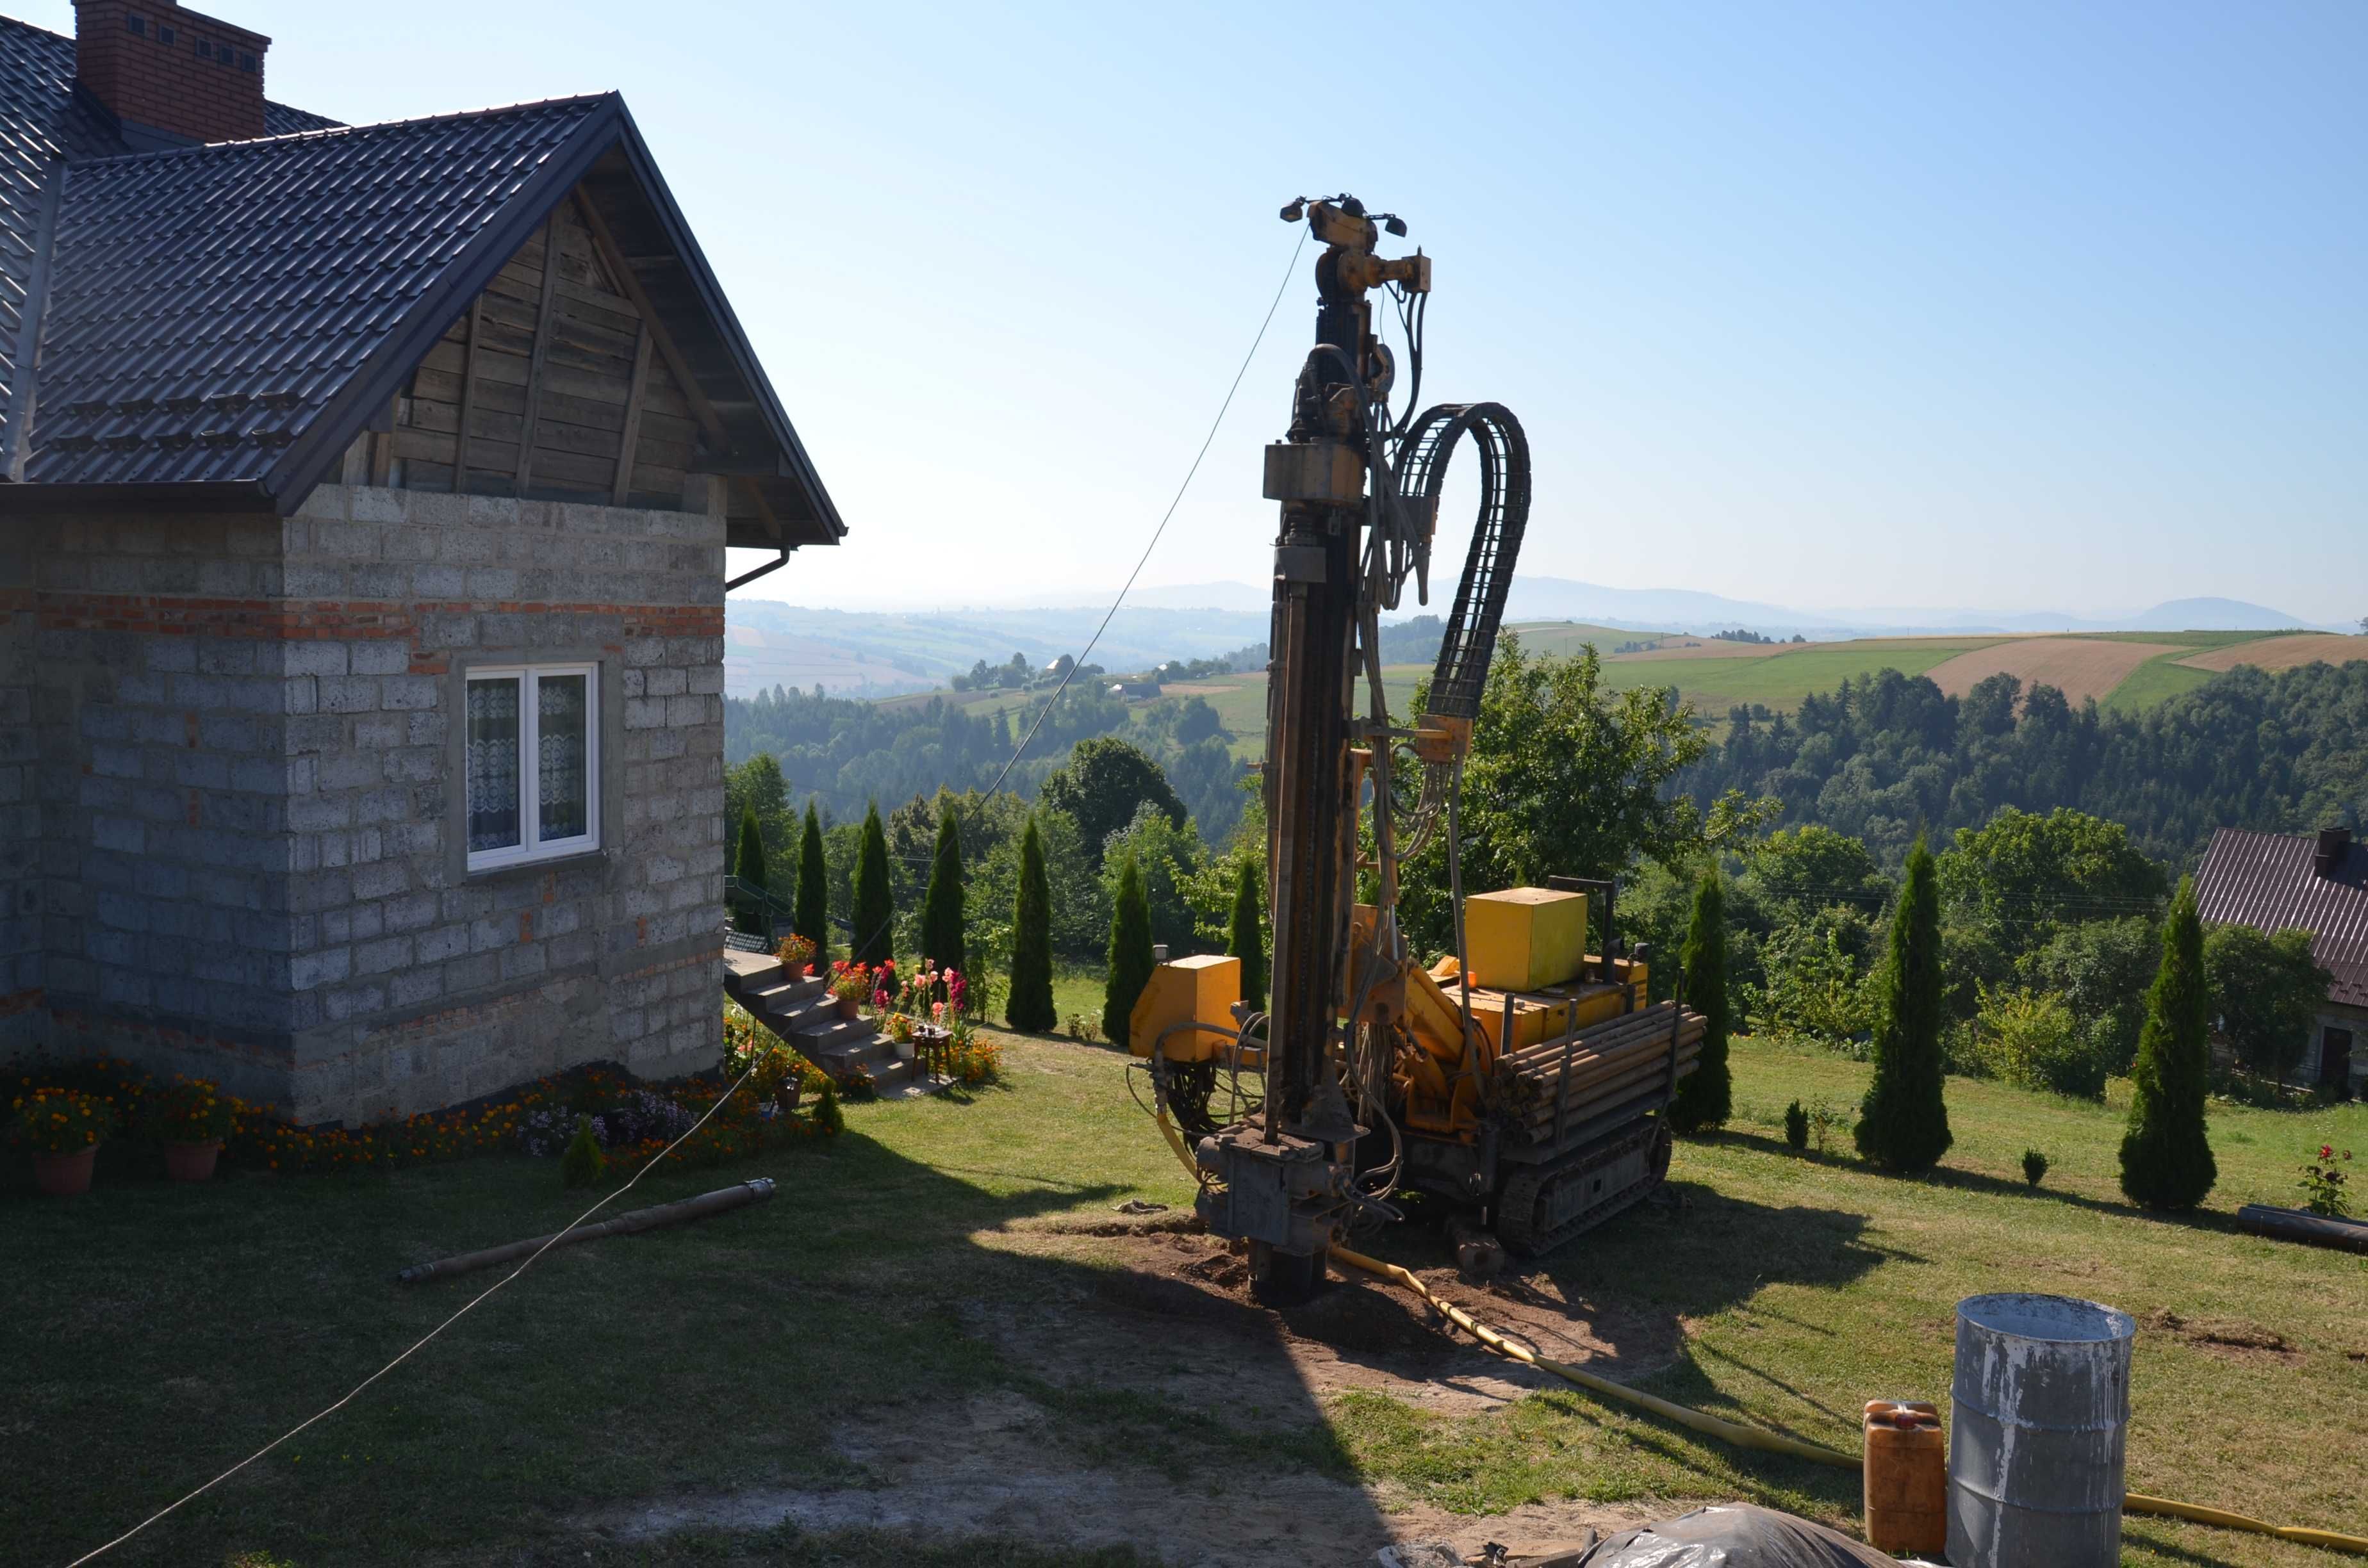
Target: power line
x,y
423,1340
1079,662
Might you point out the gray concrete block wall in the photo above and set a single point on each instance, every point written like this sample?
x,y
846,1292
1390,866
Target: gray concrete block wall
x,y
21,1019
257,868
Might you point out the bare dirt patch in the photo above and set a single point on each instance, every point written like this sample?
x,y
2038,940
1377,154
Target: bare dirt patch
x,y
2080,668
991,1467
2282,652
2232,1338
1170,1313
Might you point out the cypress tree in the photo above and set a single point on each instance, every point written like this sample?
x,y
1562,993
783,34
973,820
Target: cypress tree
x,y
809,918
750,863
2166,1158
1904,1124
1130,950
875,900
1030,1003
1706,1096
941,906
1245,938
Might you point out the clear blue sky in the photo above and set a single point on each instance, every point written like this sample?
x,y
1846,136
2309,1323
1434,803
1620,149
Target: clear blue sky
x,y
2007,305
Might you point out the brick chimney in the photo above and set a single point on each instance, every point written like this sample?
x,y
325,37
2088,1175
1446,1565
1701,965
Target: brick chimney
x,y
2329,855
170,75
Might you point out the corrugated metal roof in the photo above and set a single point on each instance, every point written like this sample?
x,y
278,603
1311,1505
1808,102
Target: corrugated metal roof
x,y
2269,881
43,121
206,303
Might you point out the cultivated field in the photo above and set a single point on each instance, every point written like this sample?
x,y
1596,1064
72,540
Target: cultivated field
x,y
2282,652
939,1346
2080,668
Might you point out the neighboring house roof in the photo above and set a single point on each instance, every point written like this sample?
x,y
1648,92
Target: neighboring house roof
x,y
2268,881
218,322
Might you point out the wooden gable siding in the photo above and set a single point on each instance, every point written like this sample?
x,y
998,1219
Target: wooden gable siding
x,y
579,363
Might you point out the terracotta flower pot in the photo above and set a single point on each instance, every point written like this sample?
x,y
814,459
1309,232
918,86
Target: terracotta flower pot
x,y
191,1161
849,1006
65,1176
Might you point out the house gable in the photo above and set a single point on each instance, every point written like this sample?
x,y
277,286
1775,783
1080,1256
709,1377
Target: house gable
x,y
566,354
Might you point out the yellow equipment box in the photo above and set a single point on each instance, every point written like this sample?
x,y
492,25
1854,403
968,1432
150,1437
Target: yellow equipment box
x,y
1525,938
1196,990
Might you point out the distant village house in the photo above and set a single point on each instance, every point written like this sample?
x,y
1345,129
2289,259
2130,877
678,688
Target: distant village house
x,y
2314,882
366,492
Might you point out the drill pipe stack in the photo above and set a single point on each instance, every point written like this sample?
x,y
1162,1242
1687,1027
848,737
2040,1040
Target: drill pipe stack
x,y
1603,1069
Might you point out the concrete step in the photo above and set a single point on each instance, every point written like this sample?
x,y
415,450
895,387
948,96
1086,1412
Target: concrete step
x,y
742,970
781,995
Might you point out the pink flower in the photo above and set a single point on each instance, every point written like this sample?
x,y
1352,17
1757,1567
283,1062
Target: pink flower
x,y
938,1010
2326,1151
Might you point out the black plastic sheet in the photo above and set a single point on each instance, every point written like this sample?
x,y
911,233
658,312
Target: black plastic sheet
x,y
1738,1536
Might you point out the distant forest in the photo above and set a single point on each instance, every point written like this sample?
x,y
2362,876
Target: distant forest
x,y
849,752
1881,758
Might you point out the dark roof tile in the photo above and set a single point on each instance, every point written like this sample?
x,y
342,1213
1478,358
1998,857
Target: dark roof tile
x,y
2269,881
250,267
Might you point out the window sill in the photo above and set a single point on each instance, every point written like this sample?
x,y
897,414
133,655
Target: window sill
x,y
535,867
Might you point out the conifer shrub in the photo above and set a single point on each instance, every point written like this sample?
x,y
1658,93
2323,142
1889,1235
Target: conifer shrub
x,y
2166,1157
875,897
1904,1121
828,1119
1030,1006
1245,934
1796,1127
1130,950
810,912
942,905
748,865
584,1164
2034,1167
1706,1096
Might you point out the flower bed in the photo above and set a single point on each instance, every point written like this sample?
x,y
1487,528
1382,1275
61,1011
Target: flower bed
x,y
634,1120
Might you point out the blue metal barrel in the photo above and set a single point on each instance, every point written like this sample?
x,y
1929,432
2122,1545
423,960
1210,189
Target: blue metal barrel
x,y
2040,1409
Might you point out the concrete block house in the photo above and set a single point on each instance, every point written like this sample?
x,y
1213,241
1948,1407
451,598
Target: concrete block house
x,y
362,531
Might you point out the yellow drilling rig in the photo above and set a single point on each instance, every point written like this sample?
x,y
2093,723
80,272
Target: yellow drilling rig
x,y
1521,1076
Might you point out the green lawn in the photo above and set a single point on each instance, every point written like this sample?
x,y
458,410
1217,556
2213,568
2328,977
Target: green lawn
x,y
1779,681
156,1333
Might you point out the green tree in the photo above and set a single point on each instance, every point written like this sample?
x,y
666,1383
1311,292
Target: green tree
x,y
753,918
2029,874
1811,867
757,785
875,900
1130,952
1706,1096
1246,936
1567,778
810,915
2266,989
2166,1157
941,906
1904,1121
1030,1003
1169,857
1102,785
2102,969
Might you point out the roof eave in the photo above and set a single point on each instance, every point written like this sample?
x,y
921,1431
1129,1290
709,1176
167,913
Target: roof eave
x,y
18,499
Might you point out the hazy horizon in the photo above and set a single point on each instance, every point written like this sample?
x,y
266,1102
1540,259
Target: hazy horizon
x,y
1818,305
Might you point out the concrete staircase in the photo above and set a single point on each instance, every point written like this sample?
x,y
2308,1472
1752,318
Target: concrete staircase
x,y
803,1011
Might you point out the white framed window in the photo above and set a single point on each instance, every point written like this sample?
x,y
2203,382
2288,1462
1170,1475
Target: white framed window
x,y
533,763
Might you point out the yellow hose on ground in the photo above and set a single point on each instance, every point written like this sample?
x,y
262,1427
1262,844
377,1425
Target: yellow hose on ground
x,y
1771,1442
